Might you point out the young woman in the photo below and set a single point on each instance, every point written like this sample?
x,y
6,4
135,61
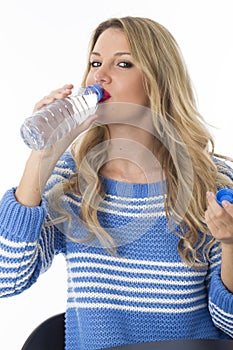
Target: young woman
x,y
131,205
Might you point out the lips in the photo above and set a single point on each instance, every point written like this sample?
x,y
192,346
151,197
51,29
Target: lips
x,y
106,95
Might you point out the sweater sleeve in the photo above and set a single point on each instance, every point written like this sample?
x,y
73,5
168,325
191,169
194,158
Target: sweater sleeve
x,y
220,300
27,248
27,244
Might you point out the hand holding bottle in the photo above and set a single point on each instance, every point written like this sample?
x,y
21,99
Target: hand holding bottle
x,y
54,95
58,114
63,143
42,162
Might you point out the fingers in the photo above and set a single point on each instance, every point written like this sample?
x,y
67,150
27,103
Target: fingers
x,y
219,219
62,92
54,95
216,212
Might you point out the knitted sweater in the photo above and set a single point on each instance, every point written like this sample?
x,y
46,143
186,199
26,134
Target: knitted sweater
x,y
143,293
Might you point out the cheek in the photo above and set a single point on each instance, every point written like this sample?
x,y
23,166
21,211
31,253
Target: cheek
x,y
139,96
137,91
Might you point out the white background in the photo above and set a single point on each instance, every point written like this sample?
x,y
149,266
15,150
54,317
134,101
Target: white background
x,y
43,45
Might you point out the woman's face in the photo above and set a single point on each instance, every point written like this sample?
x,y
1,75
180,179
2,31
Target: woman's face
x,y
112,67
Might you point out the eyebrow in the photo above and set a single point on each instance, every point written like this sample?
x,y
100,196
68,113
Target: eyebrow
x,y
116,54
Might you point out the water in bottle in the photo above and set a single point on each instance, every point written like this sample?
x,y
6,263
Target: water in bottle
x,y
50,124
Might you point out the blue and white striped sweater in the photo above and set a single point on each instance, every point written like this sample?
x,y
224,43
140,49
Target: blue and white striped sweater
x,y
144,293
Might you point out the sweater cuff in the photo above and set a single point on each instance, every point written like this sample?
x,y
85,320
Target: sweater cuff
x,y
219,294
17,222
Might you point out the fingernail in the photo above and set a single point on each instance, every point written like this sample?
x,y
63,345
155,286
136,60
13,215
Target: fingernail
x,y
225,204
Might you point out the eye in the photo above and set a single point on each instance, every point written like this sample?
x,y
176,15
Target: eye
x,y
125,64
95,64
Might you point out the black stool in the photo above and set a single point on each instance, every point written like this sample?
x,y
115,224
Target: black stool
x,y
48,335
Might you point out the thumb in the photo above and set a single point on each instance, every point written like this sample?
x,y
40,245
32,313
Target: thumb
x,y
228,207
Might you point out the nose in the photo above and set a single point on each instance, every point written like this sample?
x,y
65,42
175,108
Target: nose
x,y
102,76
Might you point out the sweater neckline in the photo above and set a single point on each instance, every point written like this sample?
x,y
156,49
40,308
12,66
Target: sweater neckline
x,y
132,190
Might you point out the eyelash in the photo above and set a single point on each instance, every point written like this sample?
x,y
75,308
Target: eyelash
x,y
127,64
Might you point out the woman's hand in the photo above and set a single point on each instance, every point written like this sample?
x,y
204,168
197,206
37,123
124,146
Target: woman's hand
x,y
220,222
220,219
42,162
54,95
61,145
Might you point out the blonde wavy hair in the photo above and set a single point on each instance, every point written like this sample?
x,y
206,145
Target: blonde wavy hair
x,y
186,147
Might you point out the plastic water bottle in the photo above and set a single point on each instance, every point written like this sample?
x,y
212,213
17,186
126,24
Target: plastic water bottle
x,y
50,124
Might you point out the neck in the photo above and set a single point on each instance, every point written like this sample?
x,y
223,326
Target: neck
x,y
132,156
127,137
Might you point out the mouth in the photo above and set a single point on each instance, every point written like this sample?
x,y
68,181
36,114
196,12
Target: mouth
x,y
106,95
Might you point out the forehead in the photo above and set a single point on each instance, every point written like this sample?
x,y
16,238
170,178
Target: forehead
x,y
111,39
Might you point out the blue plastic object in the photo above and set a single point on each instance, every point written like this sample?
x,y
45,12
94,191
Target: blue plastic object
x,y
225,194
97,89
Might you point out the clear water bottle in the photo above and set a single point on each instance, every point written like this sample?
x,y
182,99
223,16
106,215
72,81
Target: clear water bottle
x,y
50,124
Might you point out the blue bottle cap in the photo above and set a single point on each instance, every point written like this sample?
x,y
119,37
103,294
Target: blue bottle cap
x,y
225,194
97,89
